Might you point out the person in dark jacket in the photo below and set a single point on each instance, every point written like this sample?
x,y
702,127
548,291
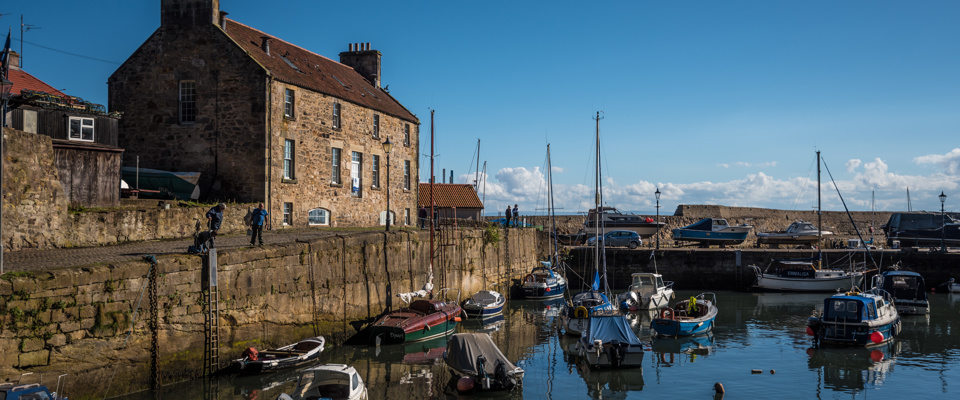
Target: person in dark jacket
x,y
422,217
508,214
257,218
516,216
214,219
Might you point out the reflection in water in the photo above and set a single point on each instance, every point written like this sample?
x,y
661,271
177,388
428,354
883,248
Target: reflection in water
x,y
854,368
671,351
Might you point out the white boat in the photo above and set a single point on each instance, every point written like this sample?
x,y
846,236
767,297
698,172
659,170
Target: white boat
x,y
798,233
328,381
647,291
803,275
483,304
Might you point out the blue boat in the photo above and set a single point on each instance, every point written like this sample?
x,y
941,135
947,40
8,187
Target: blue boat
x,y
688,317
483,304
856,318
710,231
543,283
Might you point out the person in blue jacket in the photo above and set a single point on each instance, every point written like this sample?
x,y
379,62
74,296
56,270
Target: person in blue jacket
x,y
257,218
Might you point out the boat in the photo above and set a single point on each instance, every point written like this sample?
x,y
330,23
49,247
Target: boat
x,y
575,316
710,231
908,290
922,229
647,291
803,275
25,391
855,318
798,233
611,219
694,316
328,381
474,356
609,341
293,355
484,303
543,283
420,320
952,286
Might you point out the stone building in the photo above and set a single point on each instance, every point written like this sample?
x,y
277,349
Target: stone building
x,y
265,120
83,137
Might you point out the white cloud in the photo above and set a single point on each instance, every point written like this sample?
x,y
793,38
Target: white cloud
x,y
853,164
950,162
557,170
724,165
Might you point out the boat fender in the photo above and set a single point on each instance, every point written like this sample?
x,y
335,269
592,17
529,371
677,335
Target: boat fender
x,y
580,312
666,313
251,353
528,278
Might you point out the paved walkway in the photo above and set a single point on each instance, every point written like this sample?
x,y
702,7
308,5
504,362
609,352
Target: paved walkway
x,y
34,260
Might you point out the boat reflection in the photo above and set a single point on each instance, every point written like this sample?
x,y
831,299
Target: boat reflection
x,y
487,325
671,351
612,383
853,368
254,386
428,352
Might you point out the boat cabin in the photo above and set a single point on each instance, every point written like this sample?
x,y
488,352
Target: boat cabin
x,y
708,224
646,284
853,307
426,306
904,285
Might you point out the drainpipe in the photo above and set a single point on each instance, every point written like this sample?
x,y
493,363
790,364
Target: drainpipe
x,y
269,191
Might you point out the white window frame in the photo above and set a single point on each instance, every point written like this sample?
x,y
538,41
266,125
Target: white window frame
x,y
376,126
187,102
375,171
356,173
406,174
406,135
336,115
289,102
383,217
287,214
289,159
85,124
323,215
335,154
406,216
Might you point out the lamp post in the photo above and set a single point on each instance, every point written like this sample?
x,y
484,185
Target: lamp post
x,y
5,88
657,193
387,146
943,222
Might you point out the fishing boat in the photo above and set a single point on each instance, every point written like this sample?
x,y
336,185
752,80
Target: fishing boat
x,y
798,233
712,231
611,219
855,318
647,291
328,381
908,290
485,303
609,342
543,283
804,275
475,357
290,356
694,316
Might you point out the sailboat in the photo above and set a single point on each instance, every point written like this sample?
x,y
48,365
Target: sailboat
x,y
607,340
544,282
805,275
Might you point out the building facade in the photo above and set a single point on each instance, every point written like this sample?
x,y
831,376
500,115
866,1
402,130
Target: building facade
x,y
262,119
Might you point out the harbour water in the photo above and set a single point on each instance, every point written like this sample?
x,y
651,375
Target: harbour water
x,y
753,331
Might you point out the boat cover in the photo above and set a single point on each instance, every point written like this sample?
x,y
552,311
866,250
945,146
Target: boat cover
x,y
609,328
463,349
182,185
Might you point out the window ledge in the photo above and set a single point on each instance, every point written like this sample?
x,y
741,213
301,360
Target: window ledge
x,y
336,185
377,188
285,180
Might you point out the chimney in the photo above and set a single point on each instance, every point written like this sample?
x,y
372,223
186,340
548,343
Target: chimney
x,y
265,44
443,176
363,60
451,176
189,13
14,60
223,20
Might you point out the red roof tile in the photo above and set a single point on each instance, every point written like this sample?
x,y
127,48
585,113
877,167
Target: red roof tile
x,y
448,195
22,80
297,66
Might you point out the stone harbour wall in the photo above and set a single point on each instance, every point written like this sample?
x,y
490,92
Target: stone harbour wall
x,y
76,320
34,203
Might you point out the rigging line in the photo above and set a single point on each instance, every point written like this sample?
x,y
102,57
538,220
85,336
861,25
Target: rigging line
x,y
71,54
803,186
867,248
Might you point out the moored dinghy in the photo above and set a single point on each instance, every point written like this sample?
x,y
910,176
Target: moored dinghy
x,y
328,381
688,317
475,356
293,355
485,303
543,283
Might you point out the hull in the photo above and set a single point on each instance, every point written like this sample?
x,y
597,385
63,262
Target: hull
x,y
856,319
290,356
856,334
544,292
665,327
786,284
710,237
573,326
631,357
484,304
913,307
686,318
422,320
483,312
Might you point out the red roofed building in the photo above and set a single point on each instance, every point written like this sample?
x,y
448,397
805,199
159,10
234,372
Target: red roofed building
x,y
265,120
453,200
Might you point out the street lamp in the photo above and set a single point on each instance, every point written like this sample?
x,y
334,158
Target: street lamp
x,y
387,146
943,222
5,88
657,193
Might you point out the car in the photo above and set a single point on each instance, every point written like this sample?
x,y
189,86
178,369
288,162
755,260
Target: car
x,y
618,238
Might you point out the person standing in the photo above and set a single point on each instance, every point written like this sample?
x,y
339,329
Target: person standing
x,y
214,219
257,219
516,216
508,214
422,217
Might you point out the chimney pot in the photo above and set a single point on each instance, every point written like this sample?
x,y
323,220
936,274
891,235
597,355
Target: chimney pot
x,y
223,20
265,44
350,47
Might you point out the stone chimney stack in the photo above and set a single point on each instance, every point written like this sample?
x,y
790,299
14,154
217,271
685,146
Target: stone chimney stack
x,y
363,60
265,44
190,13
14,60
223,20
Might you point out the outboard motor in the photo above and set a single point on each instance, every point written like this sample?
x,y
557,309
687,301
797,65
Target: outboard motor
x,y
616,352
482,373
500,373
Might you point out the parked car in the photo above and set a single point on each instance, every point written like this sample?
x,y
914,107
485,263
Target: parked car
x,y
618,238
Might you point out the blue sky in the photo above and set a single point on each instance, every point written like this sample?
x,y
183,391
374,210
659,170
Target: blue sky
x,y
712,102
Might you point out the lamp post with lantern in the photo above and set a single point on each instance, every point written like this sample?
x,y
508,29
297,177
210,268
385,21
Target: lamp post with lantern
x,y
943,222
657,193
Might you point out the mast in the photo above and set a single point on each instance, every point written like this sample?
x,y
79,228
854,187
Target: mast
x,y
553,216
476,174
819,218
432,227
599,203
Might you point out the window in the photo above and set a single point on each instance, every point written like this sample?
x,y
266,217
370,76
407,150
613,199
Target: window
x,y
406,216
319,216
288,160
376,126
335,166
406,175
288,104
375,171
356,173
188,102
336,115
81,129
406,134
288,213
383,218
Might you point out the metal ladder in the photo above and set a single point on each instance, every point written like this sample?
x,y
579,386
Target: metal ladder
x,y
211,295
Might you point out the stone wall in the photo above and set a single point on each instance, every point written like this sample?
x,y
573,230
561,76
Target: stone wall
x,y
76,320
34,203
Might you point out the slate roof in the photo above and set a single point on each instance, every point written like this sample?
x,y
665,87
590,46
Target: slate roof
x,y
449,195
295,65
22,80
